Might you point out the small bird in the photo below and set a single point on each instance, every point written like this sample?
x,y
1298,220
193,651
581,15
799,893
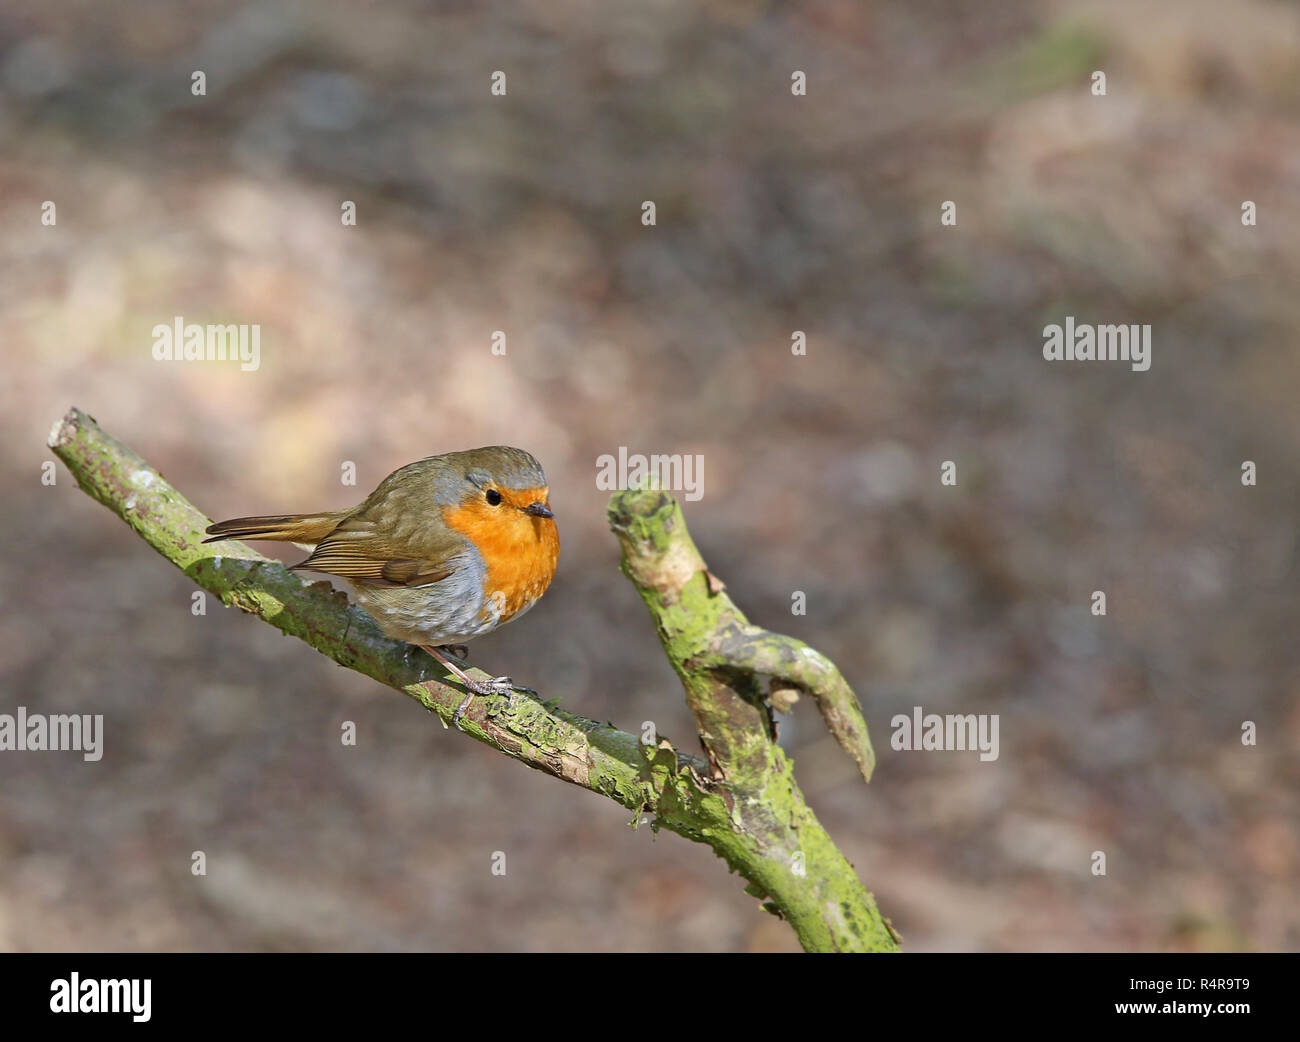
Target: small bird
x,y
444,550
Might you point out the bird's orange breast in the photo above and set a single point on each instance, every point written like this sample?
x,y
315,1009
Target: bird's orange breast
x,y
520,551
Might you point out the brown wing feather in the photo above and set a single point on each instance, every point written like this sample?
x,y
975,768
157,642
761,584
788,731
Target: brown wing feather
x,y
414,573
362,549
286,528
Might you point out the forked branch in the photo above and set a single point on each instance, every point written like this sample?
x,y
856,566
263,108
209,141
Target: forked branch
x,y
742,800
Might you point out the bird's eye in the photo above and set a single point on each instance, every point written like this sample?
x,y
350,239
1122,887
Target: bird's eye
x,y
493,497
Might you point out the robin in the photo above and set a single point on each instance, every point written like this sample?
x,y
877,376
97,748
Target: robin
x,y
444,550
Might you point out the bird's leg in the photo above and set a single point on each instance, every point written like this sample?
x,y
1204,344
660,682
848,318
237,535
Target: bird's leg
x,y
494,686
460,651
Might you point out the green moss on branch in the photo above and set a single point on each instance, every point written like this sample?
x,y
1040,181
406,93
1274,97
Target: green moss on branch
x,y
742,800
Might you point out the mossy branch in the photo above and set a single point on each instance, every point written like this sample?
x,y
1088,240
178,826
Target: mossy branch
x,y
742,801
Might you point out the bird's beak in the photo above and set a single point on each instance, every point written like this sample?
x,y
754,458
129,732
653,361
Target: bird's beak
x,y
538,510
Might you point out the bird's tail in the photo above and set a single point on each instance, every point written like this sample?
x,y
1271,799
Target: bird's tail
x,y
285,528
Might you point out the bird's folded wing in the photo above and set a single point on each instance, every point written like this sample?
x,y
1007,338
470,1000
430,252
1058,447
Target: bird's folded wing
x,y
362,551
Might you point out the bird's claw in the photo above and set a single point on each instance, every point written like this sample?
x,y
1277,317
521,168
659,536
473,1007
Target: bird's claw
x,y
494,686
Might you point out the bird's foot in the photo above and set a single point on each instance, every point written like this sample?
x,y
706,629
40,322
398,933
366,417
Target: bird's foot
x,y
475,686
484,688
494,686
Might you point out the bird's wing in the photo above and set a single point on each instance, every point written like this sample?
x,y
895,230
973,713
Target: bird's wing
x,y
363,550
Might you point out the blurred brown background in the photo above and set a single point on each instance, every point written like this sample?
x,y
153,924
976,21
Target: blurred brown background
x,y
775,213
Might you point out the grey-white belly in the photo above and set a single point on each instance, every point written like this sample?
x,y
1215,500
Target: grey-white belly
x,y
450,611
